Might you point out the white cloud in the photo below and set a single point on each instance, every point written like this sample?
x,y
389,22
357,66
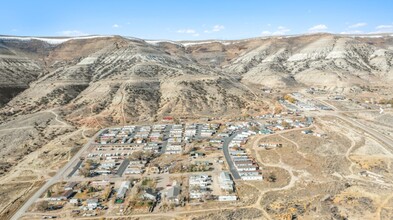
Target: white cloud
x,y
281,30
357,25
318,28
352,32
71,33
216,28
116,26
186,31
383,28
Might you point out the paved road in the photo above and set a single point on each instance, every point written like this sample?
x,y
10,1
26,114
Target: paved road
x,y
225,147
123,167
378,135
383,138
198,131
165,137
59,175
337,113
76,167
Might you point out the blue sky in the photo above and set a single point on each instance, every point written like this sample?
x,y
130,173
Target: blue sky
x,y
192,19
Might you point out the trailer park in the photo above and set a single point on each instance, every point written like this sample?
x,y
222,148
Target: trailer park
x,y
163,167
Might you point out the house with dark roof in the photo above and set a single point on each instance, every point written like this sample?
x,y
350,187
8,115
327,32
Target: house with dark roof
x,y
173,194
149,194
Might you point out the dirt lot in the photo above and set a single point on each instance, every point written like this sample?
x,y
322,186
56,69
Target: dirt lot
x,y
54,142
321,176
243,213
14,195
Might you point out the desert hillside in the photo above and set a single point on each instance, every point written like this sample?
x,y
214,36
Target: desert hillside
x,y
97,81
93,76
55,93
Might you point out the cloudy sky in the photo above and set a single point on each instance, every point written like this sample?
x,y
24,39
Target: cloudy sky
x,y
194,19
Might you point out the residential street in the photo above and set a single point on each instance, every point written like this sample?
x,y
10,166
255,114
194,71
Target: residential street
x,y
228,158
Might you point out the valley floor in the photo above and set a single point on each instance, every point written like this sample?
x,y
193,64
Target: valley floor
x,y
343,169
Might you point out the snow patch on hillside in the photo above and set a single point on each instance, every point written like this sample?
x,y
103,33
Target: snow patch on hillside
x,y
192,43
157,42
189,43
54,40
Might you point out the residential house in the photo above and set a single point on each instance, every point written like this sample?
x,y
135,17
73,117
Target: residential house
x,y
70,186
200,180
250,175
92,204
64,196
197,194
173,194
225,181
190,132
307,132
149,194
121,192
133,170
244,163
173,149
247,168
74,202
196,154
227,198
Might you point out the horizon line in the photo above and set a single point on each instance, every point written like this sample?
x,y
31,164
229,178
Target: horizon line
x,y
387,34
